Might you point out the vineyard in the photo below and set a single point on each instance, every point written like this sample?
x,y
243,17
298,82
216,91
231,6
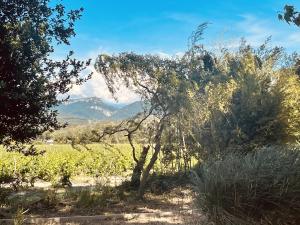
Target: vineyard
x,y
63,162
60,163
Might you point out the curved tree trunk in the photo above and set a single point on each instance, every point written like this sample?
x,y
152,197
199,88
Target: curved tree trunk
x,y
137,171
147,170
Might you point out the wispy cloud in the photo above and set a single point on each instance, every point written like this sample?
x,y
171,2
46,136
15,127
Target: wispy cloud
x,y
183,17
294,38
255,30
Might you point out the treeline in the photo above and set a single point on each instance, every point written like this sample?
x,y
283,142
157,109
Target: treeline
x,y
87,134
81,134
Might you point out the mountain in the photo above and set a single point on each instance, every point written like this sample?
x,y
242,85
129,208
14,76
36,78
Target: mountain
x,y
84,110
128,111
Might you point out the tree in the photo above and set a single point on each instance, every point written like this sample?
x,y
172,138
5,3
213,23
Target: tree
x,y
290,15
288,88
30,81
157,82
166,85
252,102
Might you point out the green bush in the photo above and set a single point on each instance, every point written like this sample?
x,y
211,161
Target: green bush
x,y
257,188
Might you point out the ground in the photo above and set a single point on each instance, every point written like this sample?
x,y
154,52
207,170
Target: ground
x,y
90,203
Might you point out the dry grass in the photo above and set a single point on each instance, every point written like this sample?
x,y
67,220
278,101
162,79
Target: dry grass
x,y
154,209
260,188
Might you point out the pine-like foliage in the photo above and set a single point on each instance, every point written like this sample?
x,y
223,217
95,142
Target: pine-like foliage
x,y
252,100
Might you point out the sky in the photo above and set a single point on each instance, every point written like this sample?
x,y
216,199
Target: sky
x,y
163,26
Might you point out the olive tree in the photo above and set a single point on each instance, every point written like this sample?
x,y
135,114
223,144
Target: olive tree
x,y
166,85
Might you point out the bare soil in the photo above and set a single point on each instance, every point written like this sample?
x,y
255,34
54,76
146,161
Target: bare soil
x,y
174,206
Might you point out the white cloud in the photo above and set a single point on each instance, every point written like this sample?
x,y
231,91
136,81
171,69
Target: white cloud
x,y
96,87
165,55
256,30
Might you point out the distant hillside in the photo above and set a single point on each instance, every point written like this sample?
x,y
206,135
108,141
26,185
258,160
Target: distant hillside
x,y
84,110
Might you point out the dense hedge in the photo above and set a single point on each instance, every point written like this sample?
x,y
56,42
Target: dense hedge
x,y
259,188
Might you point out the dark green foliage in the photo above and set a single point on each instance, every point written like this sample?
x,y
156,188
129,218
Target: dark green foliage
x,y
290,15
30,81
257,188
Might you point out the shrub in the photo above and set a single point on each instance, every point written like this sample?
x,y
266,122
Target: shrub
x,y
257,188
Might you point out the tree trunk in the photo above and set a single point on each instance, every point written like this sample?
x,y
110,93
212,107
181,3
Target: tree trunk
x,y
184,151
137,171
147,170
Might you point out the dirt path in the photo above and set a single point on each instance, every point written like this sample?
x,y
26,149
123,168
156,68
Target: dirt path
x,y
159,218
112,206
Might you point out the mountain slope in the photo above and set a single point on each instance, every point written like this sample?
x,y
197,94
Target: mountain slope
x,y
128,111
85,110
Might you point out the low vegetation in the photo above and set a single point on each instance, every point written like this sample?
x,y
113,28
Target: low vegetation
x,y
257,188
59,163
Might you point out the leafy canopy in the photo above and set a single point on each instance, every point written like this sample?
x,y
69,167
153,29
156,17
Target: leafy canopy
x,y
253,101
30,81
290,15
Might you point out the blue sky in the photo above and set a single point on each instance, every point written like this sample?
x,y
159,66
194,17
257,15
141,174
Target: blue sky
x,y
163,26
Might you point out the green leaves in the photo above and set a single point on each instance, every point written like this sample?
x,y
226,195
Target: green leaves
x,y
290,15
251,100
30,81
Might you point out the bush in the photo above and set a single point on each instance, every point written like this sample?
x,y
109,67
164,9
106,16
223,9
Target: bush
x,y
257,188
